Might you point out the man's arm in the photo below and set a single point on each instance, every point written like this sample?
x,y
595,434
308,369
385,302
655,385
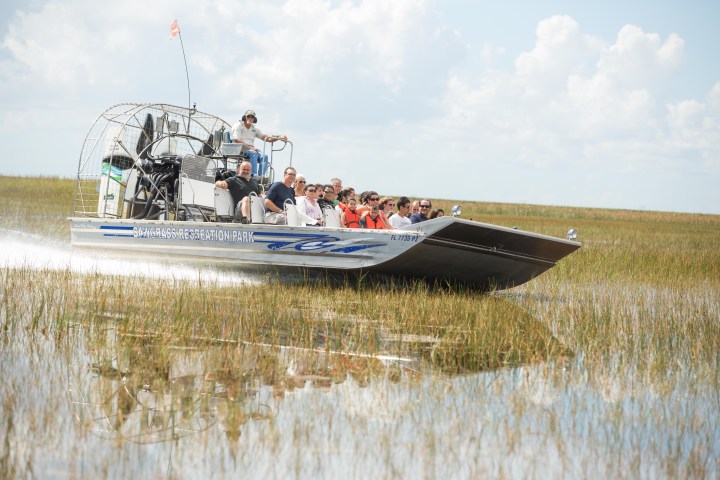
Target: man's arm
x,y
274,138
271,206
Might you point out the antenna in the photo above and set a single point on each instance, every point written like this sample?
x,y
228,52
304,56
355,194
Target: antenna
x,y
175,31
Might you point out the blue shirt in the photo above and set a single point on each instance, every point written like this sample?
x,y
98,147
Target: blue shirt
x,y
417,218
278,193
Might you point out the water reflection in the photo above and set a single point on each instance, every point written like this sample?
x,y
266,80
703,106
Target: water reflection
x,y
147,389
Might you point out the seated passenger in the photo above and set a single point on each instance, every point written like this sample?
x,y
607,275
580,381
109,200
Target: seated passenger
x,y
299,185
328,198
421,216
373,220
350,218
400,219
415,207
277,195
342,199
337,185
386,207
240,187
437,213
308,207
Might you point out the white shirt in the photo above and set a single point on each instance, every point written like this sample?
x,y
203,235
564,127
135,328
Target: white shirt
x,y
311,210
245,135
398,221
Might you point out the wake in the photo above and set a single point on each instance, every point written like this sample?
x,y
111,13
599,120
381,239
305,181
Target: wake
x,y
25,250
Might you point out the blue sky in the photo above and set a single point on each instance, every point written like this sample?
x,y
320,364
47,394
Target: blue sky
x,y
597,104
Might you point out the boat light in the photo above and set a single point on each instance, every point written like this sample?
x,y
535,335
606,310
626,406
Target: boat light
x,y
572,234
456,210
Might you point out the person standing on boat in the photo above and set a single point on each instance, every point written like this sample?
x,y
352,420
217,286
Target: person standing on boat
x,y
240,187
277,195
245,132
422,215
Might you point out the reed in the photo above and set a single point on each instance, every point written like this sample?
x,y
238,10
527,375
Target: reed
x,y
607,363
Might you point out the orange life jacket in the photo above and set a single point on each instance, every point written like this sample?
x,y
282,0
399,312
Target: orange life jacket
x,y
352,218
378,223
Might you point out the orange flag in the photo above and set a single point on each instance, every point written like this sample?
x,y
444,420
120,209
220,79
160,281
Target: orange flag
x,y
174,29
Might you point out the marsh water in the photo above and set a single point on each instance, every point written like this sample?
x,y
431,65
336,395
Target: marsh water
x,y
98,384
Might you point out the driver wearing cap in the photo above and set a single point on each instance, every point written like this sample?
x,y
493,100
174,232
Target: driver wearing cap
x,y
245,132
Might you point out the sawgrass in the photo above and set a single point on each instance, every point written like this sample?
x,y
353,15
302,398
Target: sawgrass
x,y
606,365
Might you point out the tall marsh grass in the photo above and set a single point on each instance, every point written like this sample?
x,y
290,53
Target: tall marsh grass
x,y
605,366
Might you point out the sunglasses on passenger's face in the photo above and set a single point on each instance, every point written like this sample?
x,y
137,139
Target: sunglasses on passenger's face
x,y
311,190
374,199
424,206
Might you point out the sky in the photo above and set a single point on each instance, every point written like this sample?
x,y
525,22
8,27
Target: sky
x,y
590,104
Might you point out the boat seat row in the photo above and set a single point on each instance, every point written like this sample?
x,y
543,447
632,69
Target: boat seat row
x,y
225,210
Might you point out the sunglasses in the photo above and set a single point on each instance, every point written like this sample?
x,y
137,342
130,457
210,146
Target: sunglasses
x,y
424,206
330,191
391,204
374,199
311,190
301,181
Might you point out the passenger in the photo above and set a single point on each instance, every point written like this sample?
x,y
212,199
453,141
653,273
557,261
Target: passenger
x,y
368,199
372,201
373,219
328,198
245,132
437,213
299,185
319,188
277,195
308,207
343,197
400,219
337,185
350,218
415,208
386,206
421,216
240,187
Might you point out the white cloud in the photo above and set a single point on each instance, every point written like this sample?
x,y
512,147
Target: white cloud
x,y
561,49
638,58
319,57
356,80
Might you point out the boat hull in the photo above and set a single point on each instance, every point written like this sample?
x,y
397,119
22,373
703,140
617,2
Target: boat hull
x,y
447,250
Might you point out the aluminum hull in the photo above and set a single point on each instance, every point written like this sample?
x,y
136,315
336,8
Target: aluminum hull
x,y
446,249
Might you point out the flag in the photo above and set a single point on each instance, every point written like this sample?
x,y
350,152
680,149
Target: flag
x,y
174,29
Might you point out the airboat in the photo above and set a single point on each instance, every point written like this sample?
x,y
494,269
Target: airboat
x,y
146,184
